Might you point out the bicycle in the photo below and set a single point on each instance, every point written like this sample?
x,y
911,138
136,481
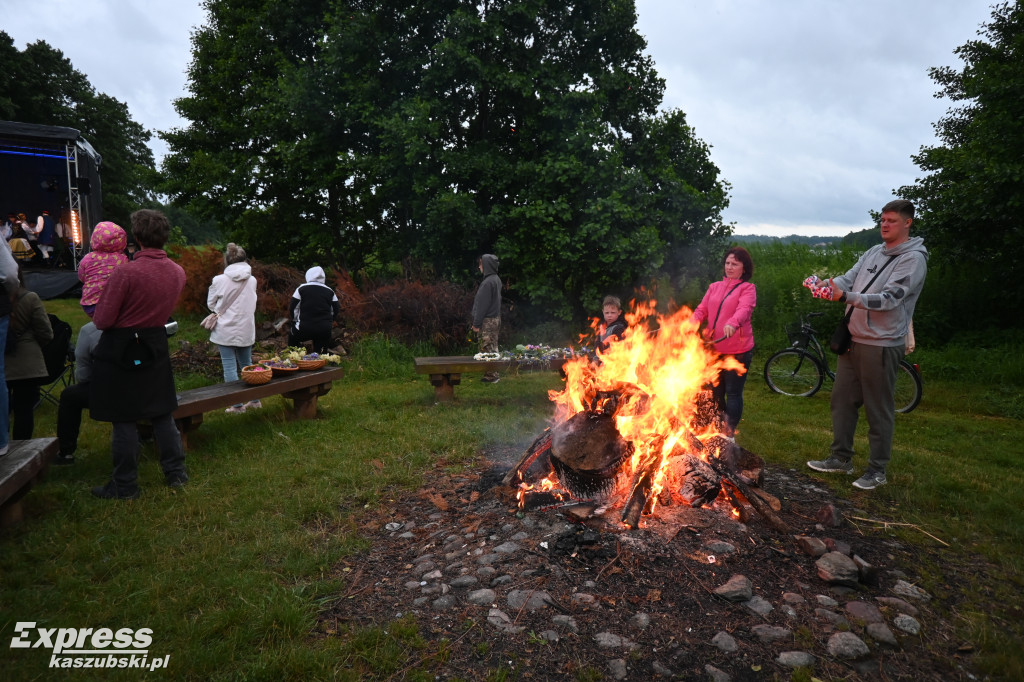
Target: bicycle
x,y
800,370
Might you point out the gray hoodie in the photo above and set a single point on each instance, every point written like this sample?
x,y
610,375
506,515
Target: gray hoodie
x,y
882,316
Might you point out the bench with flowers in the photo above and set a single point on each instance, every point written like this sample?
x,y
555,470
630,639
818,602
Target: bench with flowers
x,y
446,372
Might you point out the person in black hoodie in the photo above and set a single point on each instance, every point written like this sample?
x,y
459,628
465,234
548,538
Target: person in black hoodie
x,y
8,282
487,310
312,308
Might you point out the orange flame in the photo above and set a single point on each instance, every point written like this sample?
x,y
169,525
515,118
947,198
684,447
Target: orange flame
x,y
652,378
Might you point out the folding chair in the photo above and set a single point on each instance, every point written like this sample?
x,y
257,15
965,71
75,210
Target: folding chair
x,y
59,355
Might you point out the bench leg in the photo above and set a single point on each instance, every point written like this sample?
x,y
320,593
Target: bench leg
x,y
305,400
10,513
185,425
444,386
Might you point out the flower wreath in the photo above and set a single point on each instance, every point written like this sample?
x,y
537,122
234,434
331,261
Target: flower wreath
x,y
487,356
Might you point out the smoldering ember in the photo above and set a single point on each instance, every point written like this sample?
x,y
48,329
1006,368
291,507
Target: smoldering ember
x,y
633,539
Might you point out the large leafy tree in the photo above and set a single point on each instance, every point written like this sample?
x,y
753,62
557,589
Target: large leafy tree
x,y
364,132
972,196
40,85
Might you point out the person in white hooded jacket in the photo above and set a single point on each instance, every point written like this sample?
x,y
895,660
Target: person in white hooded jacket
x,y
232,296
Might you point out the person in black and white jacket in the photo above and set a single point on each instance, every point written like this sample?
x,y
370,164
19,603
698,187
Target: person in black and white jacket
x,y
312,309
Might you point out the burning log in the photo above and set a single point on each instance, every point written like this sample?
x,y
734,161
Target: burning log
x,y
701,484
535,463
640,497
587,453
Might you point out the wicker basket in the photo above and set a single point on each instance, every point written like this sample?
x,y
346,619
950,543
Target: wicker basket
x,y
311,364
284,371
254,377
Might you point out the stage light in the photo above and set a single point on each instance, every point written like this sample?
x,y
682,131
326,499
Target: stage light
x,y
76,232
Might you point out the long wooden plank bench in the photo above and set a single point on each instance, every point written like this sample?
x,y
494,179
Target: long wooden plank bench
x,y
446,371
25,463
302,387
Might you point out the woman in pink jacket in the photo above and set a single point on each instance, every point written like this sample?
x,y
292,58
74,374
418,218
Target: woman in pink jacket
x,y
727,308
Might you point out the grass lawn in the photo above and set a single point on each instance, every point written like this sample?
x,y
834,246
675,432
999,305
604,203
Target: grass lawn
x,y
230,572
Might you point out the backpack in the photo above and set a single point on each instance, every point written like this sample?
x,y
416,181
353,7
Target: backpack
x,y
57,351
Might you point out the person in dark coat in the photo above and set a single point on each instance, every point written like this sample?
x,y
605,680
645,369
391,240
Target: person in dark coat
x,y
8,279
487,310
25,366
313,308
132,375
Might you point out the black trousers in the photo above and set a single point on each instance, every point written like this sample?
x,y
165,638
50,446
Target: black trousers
x,y
23,396
73,399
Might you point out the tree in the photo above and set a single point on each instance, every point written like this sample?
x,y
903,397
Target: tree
x,y
971,199
40,85
443,130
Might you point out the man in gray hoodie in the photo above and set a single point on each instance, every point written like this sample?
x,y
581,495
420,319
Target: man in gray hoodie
x,y
487,310
866,374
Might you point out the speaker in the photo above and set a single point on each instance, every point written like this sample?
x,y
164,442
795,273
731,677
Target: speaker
x,y
84,186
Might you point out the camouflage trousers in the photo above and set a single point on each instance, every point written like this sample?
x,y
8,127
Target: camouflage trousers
x,y
489,340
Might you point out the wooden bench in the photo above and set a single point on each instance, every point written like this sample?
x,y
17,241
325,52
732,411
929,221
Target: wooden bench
x,y
302,387
24,464
446,371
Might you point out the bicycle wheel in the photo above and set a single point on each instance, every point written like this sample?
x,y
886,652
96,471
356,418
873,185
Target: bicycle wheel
x,y
908,387
793,372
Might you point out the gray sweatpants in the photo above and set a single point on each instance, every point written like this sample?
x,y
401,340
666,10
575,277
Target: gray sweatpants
x,y
866,376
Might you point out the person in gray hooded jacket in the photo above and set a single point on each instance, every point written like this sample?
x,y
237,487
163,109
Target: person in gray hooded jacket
x,y
487,310
866,374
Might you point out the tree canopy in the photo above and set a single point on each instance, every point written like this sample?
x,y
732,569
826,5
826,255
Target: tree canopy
x,y
972,195
39,85
356,133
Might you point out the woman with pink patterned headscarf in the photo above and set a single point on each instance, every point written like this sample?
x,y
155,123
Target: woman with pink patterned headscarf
x,y
108,243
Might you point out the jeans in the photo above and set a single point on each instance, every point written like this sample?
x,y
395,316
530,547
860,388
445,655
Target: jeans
x,y
5,417
728,393
233,359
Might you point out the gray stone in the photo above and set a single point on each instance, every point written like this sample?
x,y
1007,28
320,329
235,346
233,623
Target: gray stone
x,y
501,580
905,589
868,573
738,588
793,598
481,597
881,633
795,659
507,548
407,535
608,640
907,624
847,646
432,575
531,600
641,620
719,547
759,605
583,599
549,636
838,546
445,602
898,604
827,601
725,642
488,559
811,546
716,675
837,619
566,623
661,669
520,536
617,669
789,611
420,601
500,620
486,572
864,612
412,585
836,568
769,634
423,567
465,581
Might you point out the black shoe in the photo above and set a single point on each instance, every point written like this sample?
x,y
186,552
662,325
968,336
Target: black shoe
x,y
110,492
62,459
177,481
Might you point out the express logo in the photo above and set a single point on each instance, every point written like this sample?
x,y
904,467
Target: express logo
x,y
89,647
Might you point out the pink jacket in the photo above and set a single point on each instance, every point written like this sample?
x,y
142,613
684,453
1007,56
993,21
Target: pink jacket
x,y
736,310
108,242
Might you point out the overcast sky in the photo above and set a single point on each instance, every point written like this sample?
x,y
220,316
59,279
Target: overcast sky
x,y
812,108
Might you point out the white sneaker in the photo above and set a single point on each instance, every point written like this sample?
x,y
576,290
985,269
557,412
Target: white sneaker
x,y
253,405
5,449
236,409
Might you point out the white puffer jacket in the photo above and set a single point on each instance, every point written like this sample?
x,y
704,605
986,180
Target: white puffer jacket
x,y
236,326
